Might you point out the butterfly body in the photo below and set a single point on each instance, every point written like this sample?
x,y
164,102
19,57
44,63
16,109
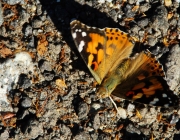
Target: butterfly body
x,y
111,81
106,53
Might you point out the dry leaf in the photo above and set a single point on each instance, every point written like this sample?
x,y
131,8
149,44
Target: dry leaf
x,y
60,83
170,15
135,39
159,117
108,130
119,127
4,52
138,114
152,138
165,41
129,19
170,42
42,45
167,2
135,8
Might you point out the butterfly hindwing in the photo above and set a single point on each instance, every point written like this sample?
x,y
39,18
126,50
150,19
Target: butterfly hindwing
x,y
145,82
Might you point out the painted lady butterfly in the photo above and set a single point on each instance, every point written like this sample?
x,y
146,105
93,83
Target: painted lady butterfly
x,y
106,53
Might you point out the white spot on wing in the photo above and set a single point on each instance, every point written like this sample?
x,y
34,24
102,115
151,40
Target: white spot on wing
x,y
84,34
80,30
81,45
154,101
164,95
74,35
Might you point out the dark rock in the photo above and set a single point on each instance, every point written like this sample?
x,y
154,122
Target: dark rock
x,y
159,20
45,66
43,95
82,136
174,119
31,42
35,131
96,122
23,114
39,9
26,102
1,14
94,136
37,24
65,131
13,2
48,75
103,137
131,129
28,30
144,7
135,29
50,38
173,22
128,11
70,93
143,22
3,31
4,135
24,82
151,41
107,102
132,1
8,13
14,24
83,110
173,66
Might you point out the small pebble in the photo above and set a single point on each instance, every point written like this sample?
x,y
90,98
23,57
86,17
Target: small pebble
x,y
26,102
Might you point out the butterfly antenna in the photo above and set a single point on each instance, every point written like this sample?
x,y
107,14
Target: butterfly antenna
x,y
114,105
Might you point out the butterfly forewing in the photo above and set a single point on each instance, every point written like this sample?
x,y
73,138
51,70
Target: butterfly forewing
x,y
101,49
118,47
90,43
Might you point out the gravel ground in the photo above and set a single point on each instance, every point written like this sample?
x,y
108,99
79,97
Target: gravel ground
x,y
46,91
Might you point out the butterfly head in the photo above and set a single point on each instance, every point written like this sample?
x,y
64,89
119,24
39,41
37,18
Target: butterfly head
x,y
103,92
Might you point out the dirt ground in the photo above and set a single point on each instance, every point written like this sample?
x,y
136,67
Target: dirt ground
x,y
48,93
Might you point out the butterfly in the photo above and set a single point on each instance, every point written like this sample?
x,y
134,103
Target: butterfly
x,y
106,53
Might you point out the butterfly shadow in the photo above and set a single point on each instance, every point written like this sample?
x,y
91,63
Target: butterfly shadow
x,y
62,13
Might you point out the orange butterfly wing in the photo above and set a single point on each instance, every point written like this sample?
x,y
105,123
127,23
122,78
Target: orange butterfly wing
x,y
101,49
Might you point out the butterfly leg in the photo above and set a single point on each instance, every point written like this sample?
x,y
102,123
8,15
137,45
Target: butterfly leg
x,y
115,105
